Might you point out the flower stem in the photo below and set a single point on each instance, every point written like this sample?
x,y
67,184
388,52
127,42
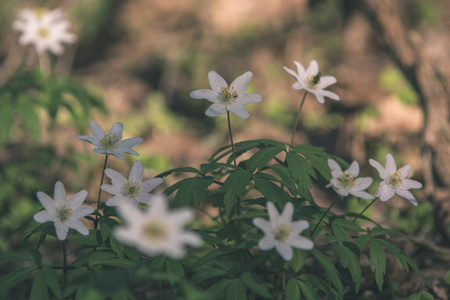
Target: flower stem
x,y
44,64
64,262
231,137
361,213
100,193
294,130
323,216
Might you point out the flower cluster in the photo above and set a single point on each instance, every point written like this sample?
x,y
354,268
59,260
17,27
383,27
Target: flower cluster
x,y
46,30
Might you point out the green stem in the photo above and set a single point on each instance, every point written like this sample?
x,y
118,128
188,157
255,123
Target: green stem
x,y
100,193
361,213
294,130
231,137
64,262
323,216
44,64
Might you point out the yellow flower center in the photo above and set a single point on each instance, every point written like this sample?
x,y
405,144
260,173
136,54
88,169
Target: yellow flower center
x,y
110,141
43,32
314,80
63,212
282,232
155,231
229,94
130,189
39,12
347,181
395,180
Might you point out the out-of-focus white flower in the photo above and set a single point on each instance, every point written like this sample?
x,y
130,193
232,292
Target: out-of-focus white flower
x,y
65,214
133,190
156,231
394,181
281,233
345,183
46,30
111,142
227,98
313,81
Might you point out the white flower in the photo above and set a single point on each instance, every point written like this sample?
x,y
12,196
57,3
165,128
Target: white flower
x,y
313,81
394,181
157,230
281,233
111,142
65,214
133,190
224,97
46,30
345,183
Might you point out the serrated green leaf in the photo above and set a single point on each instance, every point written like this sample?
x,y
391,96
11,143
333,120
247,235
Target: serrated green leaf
x,y
207,273
116,246
10,280
382,231
308,291
97,258
272,192
234,187
292,290
174,270
217,289
321,165
340,232
31,255
52,281
260,159
235,290
30,117
192,190
330,269
348,224
363,240
254,282
299,259
349,260
39,289
378,262
301,170
179,170
206,168
421,296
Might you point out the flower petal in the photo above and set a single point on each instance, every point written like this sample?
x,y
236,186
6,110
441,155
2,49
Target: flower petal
x,y
150,184
267,243
238,110
78,226
285,251
324,93
354,169
299,226
273,214
362,183
404,171
87,138
411,184
76,200
82,211
60,193
249,98
111,189
61,230
301,242
215,110
136,173
240,84
313,69
297,86
300,71
320,98
407,195
47,202
216,82
335,168
97,131
116,178
43,216
286,215
379,168
116,129
116,200
207,94
326,81
384,191
390,167
362,195
263,225
292,72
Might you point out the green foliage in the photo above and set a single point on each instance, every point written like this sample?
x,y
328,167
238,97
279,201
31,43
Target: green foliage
x,y
393,81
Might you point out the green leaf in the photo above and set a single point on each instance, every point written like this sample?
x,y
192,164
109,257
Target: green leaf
x,y
321,164
119,263
348,224
39,289
192,190
31,255
300,170
234,187
362,241
292,290
383,231
340,232
97,258
330,269
260,159
206,168
216,290
174,270
6,120
254,282
378,262
308,291
207,273
52,281
235,290
272,192
421,296
30,117
10,280
94,238
179,170
299,259
349,260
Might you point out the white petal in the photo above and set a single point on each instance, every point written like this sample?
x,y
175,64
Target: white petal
x,y
100,151
207,94
299,226
150,184
297,86
411,184
76,200
238,110
215,110
328,94
353,169
273,214
362,183
300,71
301,242
240,84
407,195
137,170
250,98
126,145
267,243
127,212
263,225
47,202
191,239
313,68
61,230
43,216
404,171
216,82
116,200
335,168
86,138
320,98
116,129
285,251
78,226
362,195
286,215
291,72
116,178
97,131
111,189
60,193
326,81
379,168
384,191
390,167
83,211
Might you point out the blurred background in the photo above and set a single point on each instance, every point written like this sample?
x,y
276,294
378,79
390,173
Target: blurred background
x,y
136,62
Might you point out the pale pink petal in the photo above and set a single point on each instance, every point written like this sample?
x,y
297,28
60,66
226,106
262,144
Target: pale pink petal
x,y
362,195
116,178
249,98
384,191
353,169
216,82
273,214
267,243
60,193
61,230
116,129
111,189
82,211
300,71
404,171
407,195
150,184
379,168
313,69
320,98
263,225
97,131
116,200
390,167
362,183
299,226
326,81
410,184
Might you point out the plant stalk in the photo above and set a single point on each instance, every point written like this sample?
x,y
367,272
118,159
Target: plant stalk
x,y
294,130
323,216
361,213
100,193
231,137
